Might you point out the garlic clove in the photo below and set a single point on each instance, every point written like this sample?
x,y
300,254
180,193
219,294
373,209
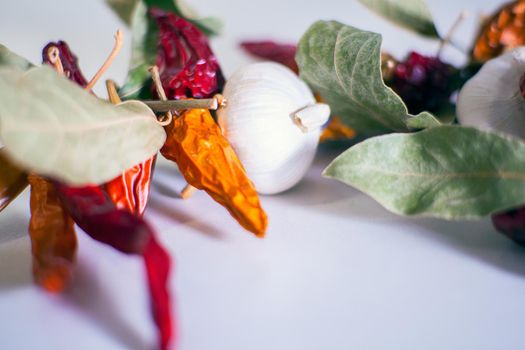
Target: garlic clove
x,y
258,120
311,117
492,99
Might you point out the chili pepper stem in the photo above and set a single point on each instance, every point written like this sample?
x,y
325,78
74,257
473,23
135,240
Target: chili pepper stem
x,y
111,87
155,76
187,191
54,57
114,52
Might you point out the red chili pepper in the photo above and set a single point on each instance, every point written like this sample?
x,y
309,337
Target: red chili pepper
x,y
98,215
69,61
187,66
95,213
270,50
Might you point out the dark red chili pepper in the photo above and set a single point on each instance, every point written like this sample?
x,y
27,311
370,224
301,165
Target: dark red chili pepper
x,y
512,224
187,66
270,50
95,213
69,61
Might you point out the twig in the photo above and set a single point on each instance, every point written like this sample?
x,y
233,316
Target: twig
x,y
111,86
154,71
180,105
447,39
107,62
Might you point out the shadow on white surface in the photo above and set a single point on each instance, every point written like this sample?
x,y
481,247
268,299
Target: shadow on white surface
x,y
89,296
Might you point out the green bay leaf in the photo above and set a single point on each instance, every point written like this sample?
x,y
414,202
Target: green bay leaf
x,y
409,14
343,64
52,127
450,172
10,59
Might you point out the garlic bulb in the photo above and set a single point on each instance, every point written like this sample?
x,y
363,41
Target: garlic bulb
x,y
493,98
273,122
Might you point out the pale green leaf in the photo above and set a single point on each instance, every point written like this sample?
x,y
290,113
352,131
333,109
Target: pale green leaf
x,y
125,9
11,59
449,172
52,127
410,14
343,64
423,121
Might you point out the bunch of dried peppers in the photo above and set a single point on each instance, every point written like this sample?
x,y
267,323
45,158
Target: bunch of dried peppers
x,y
111,213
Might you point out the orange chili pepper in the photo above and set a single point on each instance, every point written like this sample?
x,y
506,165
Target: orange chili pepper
x,y
503,31
52,233
130,190
336,130
12,181
208,162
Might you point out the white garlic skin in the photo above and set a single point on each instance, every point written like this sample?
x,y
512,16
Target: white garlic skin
x,y
491,100
258,120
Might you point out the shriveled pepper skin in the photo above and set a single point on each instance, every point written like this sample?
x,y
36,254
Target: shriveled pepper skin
x,y
53,239
501,32
208,162
96,214
12,181
187,66
273,51
130,190
69,62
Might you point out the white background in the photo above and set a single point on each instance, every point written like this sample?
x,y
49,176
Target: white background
x,y
336,270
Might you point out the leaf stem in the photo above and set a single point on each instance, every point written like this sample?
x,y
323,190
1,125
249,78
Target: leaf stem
x,y
114,52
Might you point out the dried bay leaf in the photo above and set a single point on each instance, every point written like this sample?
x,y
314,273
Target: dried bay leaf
x,y
413,15
450,172
343,64
52,127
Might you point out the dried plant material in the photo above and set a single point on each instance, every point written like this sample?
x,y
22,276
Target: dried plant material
x,y
52,233
208,162
79,138
130,190
12,181
501,32
273,51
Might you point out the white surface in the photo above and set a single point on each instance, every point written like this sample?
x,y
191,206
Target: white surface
x,y
336,271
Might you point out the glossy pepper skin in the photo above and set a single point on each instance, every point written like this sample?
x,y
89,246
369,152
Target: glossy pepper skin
x,y
52,234
187,66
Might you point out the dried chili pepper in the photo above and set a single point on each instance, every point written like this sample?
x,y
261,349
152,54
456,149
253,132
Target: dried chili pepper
x,y
273,51
131,189
12,181
501,32
336,130
188,67
68,59
53,239
95,213
511,223
208,162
